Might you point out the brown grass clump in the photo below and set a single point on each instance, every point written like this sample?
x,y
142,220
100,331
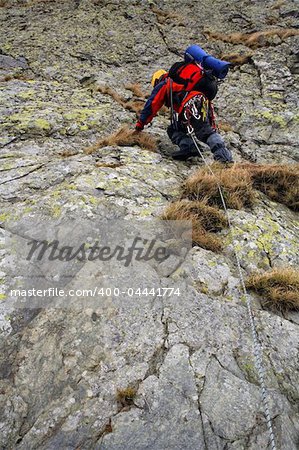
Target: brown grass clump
x,y
278,4
42,1
34,2
126,396
108,428
134,105
110,165
124,137
4,3
224,126
67,153
209,218
16,76
106,90
254,40
236,59
6,77
235,183
207,241
279,288
136,90
205,219
278,182
163,16
271,20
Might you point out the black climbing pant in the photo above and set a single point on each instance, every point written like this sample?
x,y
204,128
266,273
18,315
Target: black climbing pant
x,y
204,133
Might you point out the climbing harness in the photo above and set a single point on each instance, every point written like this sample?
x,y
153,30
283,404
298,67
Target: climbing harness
x,y
197,107
256,343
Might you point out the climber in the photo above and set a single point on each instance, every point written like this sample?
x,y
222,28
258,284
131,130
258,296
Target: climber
x,y
191,109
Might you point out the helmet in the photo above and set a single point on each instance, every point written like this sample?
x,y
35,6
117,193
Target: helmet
x,y
156,77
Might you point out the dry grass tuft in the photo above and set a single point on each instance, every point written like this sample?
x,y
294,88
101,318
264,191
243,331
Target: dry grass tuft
x,y
106,90
201,199
278,4
163,16
43,1
236,59
208,241
271,20
134,105
125,137
209,218
224,126
67,153
235,183
16,76
21,3
279,288
111,165
254,40
205,219
34,2
6,77
278,182
136,90
126,396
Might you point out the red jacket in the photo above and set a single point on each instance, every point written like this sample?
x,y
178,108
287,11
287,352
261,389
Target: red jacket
x,y
161,96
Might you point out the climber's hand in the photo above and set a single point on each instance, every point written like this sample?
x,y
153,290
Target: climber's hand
x,y
139,126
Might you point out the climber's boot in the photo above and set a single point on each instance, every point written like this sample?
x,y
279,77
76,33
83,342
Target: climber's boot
x,y
220,152
187,147
182,154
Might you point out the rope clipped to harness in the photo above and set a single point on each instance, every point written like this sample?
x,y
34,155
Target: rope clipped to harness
x,y
198,108
256,343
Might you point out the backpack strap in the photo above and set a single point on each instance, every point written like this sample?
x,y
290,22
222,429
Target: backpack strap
x,y
174,73
173,114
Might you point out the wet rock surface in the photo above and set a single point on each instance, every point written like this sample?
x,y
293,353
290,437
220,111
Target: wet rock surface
x,y
189,358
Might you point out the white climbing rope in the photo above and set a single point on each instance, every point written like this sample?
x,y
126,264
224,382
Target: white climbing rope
x,y
256,343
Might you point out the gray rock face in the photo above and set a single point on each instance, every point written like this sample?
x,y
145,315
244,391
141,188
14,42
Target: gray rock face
x,y
188,357
7,62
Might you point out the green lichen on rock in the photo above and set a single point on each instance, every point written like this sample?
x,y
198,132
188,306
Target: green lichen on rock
x,y
53,106
42,124
55,211
276,95
27,95
5,217
273,118
262,238
60,369
250,371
